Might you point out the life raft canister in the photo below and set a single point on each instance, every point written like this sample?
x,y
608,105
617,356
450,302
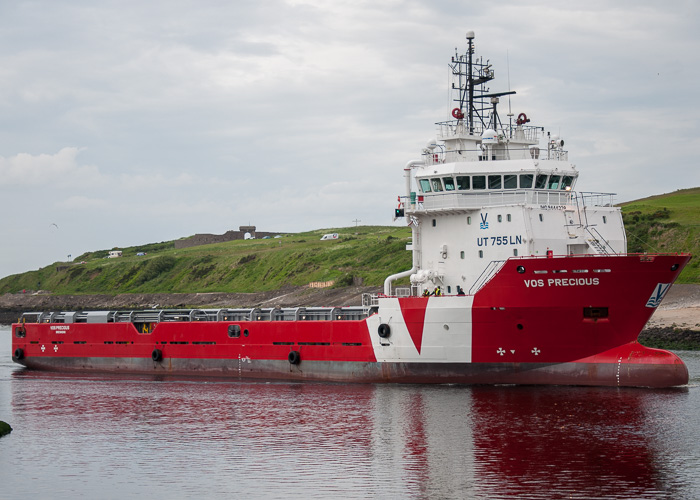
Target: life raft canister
x,y
457,113
522,119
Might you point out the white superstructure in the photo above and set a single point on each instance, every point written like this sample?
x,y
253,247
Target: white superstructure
x,y
485,191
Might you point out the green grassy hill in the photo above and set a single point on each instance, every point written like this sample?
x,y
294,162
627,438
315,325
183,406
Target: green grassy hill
x,y
666,223
368,253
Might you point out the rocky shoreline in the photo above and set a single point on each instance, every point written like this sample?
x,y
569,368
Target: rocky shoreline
x,y
675,324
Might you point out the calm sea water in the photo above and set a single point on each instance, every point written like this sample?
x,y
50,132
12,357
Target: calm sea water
x,y
112,437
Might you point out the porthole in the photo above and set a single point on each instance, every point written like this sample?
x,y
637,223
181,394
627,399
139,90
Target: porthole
x,y
521,269
541,218
481,254
245,332
674,267
434,223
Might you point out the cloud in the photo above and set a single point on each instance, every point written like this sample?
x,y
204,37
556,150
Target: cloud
x,y
59,170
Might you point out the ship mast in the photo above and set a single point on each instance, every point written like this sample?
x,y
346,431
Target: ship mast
x,y
471,76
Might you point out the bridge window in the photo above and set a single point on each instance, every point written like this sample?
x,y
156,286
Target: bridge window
x,y
494,182
554,182
425,185
463,183
449,183
567,182
510,181
526,181
479,182
541,182
437,185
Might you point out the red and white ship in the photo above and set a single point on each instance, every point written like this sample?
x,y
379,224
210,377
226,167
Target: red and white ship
x,y
516,279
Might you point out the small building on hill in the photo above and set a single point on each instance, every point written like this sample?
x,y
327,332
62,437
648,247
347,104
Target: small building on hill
x,y
244,232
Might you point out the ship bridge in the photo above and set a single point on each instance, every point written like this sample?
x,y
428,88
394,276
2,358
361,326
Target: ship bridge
x,y
465,186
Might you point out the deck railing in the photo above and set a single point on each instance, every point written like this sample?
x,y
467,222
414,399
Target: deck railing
x,y
477,200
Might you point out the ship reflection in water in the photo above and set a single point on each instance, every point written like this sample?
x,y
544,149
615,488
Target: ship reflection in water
x,y
119,437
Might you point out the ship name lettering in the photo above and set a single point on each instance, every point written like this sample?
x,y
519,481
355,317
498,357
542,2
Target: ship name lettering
x,y
499,240
552,207
573,282
562,282
60,328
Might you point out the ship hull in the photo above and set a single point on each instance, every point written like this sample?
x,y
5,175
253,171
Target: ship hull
x,y
577,332
668,371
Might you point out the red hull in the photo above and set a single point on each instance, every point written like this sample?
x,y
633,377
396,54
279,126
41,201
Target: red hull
x,y
523,331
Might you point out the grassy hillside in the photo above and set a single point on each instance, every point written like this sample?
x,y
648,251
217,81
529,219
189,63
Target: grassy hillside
x,y
367,253
666,223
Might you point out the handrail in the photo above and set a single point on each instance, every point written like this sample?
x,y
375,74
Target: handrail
x,y
489,271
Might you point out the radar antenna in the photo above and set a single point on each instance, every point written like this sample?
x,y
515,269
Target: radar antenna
x,y
471,75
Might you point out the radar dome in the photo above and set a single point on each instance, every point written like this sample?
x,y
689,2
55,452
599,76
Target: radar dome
x,y
489,137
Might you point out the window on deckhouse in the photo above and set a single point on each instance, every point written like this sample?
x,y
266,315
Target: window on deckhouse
x,y
526,181
554,182
449,183
541,182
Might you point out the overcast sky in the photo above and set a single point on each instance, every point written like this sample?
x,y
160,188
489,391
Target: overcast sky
x,y
130,122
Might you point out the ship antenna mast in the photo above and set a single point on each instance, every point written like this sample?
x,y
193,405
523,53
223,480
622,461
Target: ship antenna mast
x,y
510,113
470,82
472,94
